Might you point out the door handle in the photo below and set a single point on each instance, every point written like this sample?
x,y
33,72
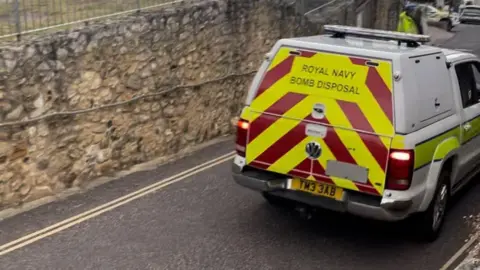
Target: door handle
x,y
467,126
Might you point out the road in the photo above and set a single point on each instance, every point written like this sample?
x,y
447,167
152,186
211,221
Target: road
x,y
206,221
466,37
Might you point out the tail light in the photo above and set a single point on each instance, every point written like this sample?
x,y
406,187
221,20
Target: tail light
x,y
241,140
400,169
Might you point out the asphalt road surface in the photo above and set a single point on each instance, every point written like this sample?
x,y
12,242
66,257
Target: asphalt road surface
x,y
467,38
206,221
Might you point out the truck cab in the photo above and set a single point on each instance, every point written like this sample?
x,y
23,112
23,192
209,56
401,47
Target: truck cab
x,y
465,76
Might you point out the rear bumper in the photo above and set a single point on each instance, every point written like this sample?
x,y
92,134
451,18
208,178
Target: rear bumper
x,y
359,204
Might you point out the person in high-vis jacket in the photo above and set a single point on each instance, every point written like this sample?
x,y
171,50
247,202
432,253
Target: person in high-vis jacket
x,y
420,21
406,23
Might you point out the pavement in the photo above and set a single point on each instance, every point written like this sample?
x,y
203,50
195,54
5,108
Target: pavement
x,y
200,219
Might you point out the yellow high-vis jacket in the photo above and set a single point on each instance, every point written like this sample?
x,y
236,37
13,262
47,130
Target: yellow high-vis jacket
x,y
406,24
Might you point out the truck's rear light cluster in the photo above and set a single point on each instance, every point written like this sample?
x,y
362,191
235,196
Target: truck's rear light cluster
x,y
400,169
242,133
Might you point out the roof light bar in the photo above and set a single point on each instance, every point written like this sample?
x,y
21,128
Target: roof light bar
x,y
375,34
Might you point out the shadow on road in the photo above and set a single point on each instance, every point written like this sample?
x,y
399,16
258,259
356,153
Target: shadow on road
x,y
345,227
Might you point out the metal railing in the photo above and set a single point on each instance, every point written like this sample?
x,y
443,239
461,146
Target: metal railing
x,y
326,11
320,7
19,17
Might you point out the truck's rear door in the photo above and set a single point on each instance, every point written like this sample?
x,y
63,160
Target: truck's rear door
x,y
323,116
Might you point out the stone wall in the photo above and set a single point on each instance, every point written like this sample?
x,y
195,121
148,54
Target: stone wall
x,y
380,14
86,103
387,12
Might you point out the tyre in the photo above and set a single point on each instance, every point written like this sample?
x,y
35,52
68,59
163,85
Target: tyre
x,y
447,25
429,224
450,26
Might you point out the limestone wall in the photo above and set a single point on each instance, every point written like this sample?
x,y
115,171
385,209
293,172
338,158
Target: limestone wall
x,y
88,102
387,12
85,103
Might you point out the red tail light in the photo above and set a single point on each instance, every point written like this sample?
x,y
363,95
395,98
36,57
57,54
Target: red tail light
x,y
241,140
400,169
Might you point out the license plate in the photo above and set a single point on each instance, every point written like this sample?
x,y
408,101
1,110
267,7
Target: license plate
x,y
316,188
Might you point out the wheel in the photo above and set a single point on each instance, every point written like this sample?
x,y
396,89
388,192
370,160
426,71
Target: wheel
x,y
450,26
447,25
430,223
275,200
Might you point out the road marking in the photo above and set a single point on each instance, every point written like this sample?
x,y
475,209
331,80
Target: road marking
x,y
466,246
67,223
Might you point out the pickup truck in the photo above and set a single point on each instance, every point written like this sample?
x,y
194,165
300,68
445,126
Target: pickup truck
x,y
368,122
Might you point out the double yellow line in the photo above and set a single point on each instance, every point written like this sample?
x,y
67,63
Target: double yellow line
x,y
67,223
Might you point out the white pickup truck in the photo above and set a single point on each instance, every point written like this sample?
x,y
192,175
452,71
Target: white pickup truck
x,y
362,121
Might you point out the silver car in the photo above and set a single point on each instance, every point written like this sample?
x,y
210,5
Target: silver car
x,y
470,15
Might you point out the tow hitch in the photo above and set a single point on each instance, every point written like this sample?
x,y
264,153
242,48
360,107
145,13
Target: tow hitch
x,y
305,212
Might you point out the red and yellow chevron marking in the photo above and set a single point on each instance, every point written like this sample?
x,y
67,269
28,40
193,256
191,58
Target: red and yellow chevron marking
x,y
358,118
379,88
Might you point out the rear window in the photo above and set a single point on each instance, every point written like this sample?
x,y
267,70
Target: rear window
x,y
472,12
